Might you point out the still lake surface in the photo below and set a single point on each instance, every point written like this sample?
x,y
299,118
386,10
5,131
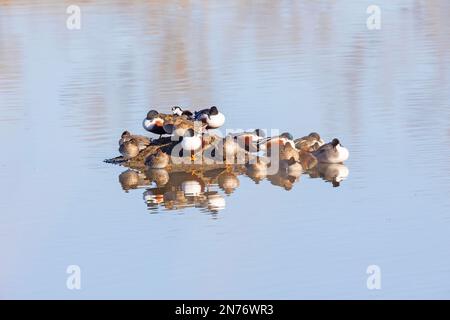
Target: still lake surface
x,y
298,66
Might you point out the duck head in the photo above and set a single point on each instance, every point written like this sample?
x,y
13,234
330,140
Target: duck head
x,y
189,132
260,133
152,114
213,111
177,110
335,142
125,134
314,135
287,135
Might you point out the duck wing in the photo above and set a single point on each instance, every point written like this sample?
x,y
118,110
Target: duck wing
x,y
199,115
142,140
325,148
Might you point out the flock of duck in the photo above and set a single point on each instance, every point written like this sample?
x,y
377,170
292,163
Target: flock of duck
x,y
188,129
152,162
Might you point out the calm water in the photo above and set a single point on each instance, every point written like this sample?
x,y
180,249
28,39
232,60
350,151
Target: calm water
x,y
298,66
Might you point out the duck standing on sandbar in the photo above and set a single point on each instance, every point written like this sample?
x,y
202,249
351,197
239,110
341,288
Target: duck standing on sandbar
x,y
191,142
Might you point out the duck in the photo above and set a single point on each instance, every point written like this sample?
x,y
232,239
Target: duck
x,y
309,143
230,149
332,152
212,117
178,111
281,140
191,142
307,160
159,160
129,149
178,126
249,140
154,123
287,152
142,141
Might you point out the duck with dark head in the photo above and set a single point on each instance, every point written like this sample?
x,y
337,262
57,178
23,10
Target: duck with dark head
x,y
212,117
332,152
154,123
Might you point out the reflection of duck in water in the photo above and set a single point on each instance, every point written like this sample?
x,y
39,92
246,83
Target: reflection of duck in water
x,y
159,176
257,169
283,180
131,179
228,182
175,199
176,196
152,199
333,172
183,190
215,202
332,152
191,188
291,167
142,142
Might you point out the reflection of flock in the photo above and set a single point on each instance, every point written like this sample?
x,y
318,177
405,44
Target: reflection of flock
x,y
176,180
205,189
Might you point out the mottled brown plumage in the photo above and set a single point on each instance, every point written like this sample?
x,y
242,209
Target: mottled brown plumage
x,y
309,143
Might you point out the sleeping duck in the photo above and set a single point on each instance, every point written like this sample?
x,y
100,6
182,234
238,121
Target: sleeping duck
x,y
176,110
309,143
154,123
212,117
143,142
332,152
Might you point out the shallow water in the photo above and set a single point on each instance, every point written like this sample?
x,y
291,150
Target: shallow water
x,y
301,66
